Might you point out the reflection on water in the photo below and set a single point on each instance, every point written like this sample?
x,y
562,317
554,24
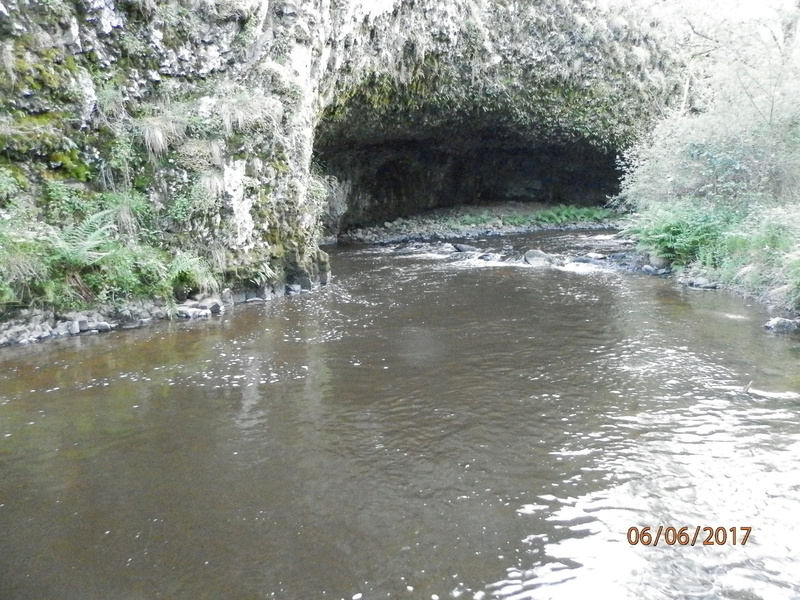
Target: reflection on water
x,y
421,428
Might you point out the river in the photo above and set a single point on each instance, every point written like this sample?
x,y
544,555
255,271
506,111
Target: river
x,y
421,428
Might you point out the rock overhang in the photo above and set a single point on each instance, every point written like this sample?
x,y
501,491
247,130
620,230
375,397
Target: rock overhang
x,y
532,104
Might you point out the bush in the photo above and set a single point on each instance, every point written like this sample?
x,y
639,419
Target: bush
x,y
717,182
762,253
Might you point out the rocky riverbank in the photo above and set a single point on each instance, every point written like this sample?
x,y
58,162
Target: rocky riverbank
x,y
452,233
434,231
34,325
473,221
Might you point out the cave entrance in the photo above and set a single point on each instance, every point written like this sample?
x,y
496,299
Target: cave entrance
x,y
393,178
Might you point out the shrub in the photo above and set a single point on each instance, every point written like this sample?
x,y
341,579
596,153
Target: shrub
x,y
761,253
717,182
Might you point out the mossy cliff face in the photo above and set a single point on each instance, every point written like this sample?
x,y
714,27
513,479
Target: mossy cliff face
x,y
466,102
205,108
211,110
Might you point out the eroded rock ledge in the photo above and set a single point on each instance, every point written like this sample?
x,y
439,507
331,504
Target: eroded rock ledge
x,y
251,127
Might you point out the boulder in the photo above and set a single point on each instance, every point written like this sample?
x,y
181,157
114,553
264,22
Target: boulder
x,y
304,281
192,312
659,262
227,297
781,325
212,304
538,258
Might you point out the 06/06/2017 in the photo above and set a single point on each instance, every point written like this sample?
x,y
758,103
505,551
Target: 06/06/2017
x,y
712,536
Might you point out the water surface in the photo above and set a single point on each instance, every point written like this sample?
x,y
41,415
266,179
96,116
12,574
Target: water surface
x,y
420,428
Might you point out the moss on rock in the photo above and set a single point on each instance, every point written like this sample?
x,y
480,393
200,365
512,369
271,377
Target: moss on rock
x,y
211,112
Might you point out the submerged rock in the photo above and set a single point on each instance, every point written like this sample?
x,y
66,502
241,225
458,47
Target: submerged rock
x,y
702,283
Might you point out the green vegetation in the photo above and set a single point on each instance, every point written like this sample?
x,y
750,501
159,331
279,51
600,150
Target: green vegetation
x,y
558,215
716,186
9,187
681,233
113,171
563,215
532,70
102,254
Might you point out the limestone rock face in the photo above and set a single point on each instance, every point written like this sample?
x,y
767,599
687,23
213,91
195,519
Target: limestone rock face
x,y
212,110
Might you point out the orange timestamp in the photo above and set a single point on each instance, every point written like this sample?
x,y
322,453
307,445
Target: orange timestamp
x,y
689,536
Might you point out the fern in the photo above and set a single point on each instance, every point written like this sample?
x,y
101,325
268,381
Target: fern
x,y
263,275
192,272
85,243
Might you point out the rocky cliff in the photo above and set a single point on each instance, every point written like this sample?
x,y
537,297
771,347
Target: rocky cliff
x,y
239,131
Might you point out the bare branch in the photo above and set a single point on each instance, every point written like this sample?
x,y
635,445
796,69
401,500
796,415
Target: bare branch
x,y
750,97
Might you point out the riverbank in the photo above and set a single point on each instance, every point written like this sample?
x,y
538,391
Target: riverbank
x,y
33,325
469,222
451,232
472,221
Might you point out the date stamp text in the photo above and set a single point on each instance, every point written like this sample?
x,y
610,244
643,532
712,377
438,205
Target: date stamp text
x,y
689,536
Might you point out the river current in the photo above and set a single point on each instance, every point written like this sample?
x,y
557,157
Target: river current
x,y
422,428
